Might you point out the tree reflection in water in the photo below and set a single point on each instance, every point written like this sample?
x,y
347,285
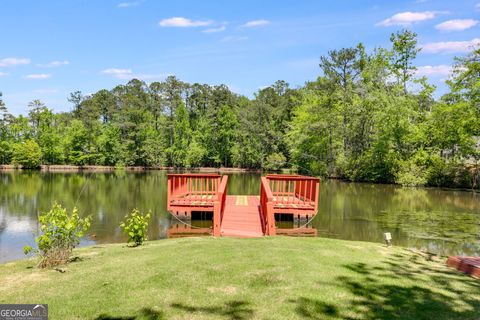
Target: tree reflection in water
x,y
440,221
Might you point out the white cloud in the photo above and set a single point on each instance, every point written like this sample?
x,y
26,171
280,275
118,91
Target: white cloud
x,y
438,70
129,4
127,74
3,74
46,91
38,76
407,18
184,22
256,23
53,64
118,73
232,39
456,25
9,62
212,30
450,46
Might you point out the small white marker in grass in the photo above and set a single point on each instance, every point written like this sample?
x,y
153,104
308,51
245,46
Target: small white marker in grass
x,y
387,236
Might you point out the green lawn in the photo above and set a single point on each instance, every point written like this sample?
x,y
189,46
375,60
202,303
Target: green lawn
x,y
264,278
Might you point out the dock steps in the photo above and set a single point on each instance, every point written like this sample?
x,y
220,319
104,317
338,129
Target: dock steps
x,y
241,217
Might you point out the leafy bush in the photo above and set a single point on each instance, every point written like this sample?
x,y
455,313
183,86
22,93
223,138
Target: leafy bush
x,y
27,154
5,152
413,172
135,227
372,167
61,232
275,161
448,173
411,175
195,155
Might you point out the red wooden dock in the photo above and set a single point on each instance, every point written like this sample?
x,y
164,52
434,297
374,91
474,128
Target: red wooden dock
x,y
467,265
243,216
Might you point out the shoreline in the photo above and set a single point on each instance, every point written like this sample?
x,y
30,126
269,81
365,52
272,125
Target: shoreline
x,y
221,170
90,168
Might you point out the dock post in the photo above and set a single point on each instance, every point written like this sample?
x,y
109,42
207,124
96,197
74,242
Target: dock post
x,y
272,231
216,219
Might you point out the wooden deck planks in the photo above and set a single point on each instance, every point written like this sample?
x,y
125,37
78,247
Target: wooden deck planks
x,y
241,217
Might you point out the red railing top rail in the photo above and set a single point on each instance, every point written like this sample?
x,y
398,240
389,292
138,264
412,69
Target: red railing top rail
x,y
223,184
289,177
196,175
266,207
266,187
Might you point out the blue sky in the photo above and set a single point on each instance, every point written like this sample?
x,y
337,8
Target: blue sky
x,y
51,48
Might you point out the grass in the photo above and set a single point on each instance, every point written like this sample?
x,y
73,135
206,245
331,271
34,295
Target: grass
x,y
263,278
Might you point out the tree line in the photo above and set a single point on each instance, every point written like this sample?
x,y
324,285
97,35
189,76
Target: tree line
x,y
367,117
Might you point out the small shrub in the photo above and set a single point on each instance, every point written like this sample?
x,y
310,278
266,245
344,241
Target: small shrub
x,y
61,232
135,227
449,173
411,175
5,152
195,155
27,154
275,161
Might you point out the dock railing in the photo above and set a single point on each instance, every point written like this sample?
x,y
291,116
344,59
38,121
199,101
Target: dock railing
x,y
291,194
294,191
198,192
192,188
219,206
266,208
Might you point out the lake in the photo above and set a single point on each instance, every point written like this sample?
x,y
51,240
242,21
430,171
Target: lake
x,y
439,221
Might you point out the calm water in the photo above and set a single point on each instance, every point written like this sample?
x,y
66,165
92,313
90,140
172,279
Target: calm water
x,y
440,221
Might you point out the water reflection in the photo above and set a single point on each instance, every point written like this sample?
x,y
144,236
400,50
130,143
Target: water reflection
x,y
435,220
191,228
440,221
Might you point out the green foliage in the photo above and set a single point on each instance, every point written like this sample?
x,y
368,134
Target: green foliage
x,y
27,154
442,173
5,152
135,226
275,161
182,136
61,232
226,131
452,128
195,155
109,146
365,118
465,83
411,175
78,144
404,51
48,137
